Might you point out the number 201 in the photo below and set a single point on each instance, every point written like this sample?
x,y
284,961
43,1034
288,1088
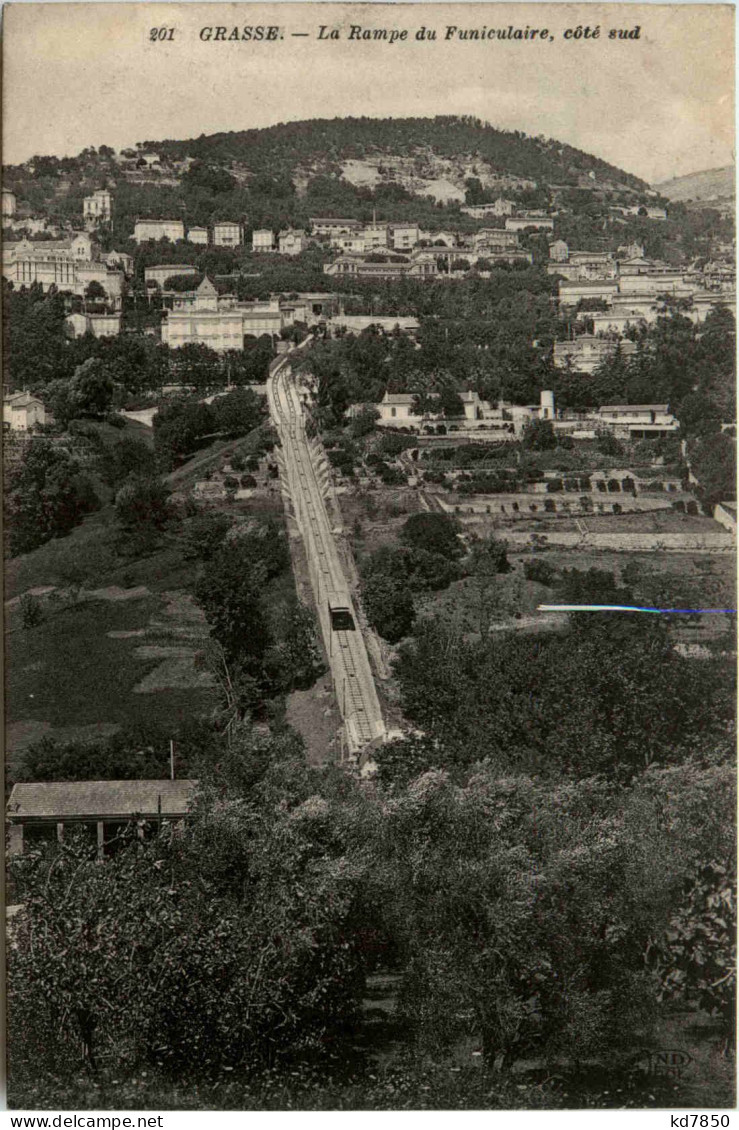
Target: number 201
x,y
157,34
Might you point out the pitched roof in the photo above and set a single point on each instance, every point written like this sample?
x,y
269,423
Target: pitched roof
x,y
397,398
206,287
60,799
21,399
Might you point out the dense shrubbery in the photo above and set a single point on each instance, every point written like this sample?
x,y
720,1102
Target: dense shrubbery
x,y
46,495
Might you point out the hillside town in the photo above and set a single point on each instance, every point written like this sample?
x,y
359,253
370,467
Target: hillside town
x,y
370,613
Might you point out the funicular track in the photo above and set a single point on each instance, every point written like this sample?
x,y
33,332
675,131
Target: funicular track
x,y
353,679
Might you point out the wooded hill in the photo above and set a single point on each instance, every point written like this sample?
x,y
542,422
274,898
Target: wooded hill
x,y
286,173
279,149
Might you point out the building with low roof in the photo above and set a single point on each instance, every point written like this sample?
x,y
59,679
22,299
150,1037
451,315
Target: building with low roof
x,y
640,421
99,325
571,291
119,259
160,272
43,810
396,408
333,225
145,230
357,323
22,412
198,236
530,220
356,266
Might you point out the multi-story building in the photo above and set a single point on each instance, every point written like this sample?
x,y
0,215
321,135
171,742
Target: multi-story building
x,y
99,325
375,237
226,233
220,323
262,240
404,237
573,291
353,242
356,266
586,353
9,204
584,265
499,207
161,272
198,235
68,264
98,208
158,229
291,241
490,239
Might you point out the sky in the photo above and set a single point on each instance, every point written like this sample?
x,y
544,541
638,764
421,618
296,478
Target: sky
x,y
660,105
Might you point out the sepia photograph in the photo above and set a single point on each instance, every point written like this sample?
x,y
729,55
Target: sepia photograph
x,y
369,463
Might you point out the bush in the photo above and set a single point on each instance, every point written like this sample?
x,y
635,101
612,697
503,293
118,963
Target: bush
x,y
388,603
31,611
607,444
541,571
204,534
248,482
436,533
142,505
392,476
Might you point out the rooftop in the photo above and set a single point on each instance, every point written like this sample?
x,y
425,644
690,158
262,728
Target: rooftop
x,y
60,799
634,408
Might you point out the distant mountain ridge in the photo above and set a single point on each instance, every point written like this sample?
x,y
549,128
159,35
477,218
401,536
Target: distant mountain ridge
x,y
711,184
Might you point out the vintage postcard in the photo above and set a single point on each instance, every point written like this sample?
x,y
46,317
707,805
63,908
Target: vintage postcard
x,y
369,429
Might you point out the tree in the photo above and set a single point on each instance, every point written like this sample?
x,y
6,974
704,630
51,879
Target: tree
x,y
126,457
388,603
539,435
179,427
238,412
296,660
47,495
249,956
508,937
488,557
695,958
142,510
434,532
95,291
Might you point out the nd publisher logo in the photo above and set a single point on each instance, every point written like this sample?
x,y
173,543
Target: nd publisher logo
x,y
663,1062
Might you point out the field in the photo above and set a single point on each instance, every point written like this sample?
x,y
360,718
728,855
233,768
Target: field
x,y
115,643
